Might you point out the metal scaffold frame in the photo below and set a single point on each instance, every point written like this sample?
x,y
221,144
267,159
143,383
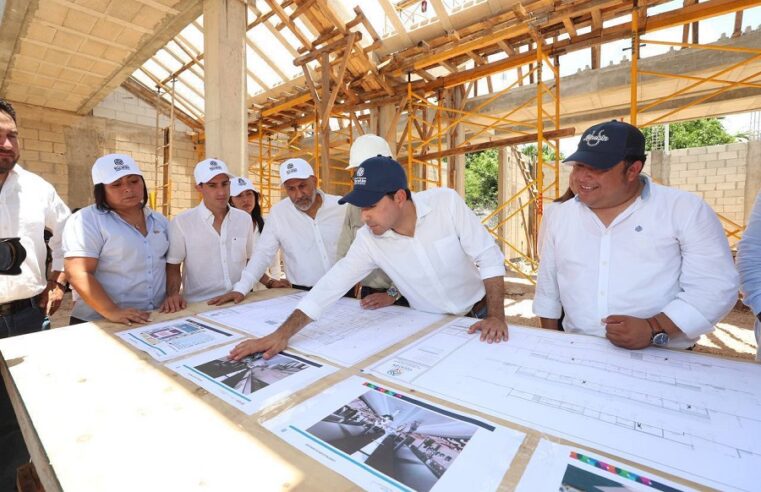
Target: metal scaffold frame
x,y
163,157
704,88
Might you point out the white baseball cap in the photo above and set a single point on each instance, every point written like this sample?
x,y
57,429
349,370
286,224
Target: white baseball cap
x,y
367,146
111,167
239,185
295,169
208,168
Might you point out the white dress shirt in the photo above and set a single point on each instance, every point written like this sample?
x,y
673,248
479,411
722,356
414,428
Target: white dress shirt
x,y
211,262
666,252
131,267
28,206
309,245
440,269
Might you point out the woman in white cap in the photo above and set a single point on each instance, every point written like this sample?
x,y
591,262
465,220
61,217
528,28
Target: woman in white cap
x,y
115,250
245,197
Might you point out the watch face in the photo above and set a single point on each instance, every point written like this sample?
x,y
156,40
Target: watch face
x,y
392,292
661,338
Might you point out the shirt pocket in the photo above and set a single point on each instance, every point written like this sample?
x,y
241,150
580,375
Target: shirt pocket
x,y
238,250
449,250
159,242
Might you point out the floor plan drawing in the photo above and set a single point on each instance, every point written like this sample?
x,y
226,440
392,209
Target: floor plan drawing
x,y
346,334
690,415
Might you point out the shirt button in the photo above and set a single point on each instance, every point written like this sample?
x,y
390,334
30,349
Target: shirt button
x,y
604,263
602,292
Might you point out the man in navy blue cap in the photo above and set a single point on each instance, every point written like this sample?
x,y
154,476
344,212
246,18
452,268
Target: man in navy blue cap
x,y
628,259
430,244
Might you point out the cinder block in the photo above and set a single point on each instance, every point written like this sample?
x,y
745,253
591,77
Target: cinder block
x,y
726,186
706,186
706,172
694,179
715,179
728,155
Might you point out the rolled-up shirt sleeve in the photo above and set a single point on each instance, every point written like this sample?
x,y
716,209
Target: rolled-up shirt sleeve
x,y
56,216
264,252
333,285
749,260
81,237
709,281
177,250
547,297
476,240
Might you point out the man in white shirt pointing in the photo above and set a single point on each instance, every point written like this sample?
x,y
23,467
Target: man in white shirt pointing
x,y
628,259
305,227
430,244
212,242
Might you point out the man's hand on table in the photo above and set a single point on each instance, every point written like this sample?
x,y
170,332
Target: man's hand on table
x,y
492,328
271,345
233,296
627,331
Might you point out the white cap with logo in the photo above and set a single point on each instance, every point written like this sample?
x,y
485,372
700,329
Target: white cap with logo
x,y
208,168
366,147
111,167
239,185
295,169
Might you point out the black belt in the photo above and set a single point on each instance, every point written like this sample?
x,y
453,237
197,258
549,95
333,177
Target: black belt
x,y
13,307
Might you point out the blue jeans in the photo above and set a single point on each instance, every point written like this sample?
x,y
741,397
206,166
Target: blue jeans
x,y
13,452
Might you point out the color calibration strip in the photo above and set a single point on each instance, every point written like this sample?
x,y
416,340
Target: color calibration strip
x,y
621,472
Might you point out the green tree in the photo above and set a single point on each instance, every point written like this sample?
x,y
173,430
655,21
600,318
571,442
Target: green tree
x,y
695,133
481,173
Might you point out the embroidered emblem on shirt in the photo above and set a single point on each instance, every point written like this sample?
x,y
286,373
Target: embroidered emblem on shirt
x,y
638,228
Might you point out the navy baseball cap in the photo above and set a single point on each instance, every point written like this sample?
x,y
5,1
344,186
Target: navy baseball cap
x,y
606,144
374,178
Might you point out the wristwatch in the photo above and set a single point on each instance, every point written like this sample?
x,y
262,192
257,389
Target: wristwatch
x,y
659,336
394,292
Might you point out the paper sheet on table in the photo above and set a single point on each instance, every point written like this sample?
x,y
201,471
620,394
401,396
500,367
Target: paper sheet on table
x,y
251,383
346,333
385,440
557,467
691,415
170,339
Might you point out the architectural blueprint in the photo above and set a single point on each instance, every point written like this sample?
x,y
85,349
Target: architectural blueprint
x,y
251,383
386,440
170,339
557,467
688,414
346,333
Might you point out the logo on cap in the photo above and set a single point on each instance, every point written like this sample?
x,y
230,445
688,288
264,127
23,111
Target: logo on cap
x,y
119,165
593,140
241,182
361,171
214,165
290,168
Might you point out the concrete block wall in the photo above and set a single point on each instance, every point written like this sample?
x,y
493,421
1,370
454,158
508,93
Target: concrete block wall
x,y
716,173
121,105
61,147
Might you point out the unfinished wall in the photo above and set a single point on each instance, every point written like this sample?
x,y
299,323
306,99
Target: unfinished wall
x,y
62,146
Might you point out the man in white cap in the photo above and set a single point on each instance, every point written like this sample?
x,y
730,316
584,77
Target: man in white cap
x,y
305,227
211,241
376,290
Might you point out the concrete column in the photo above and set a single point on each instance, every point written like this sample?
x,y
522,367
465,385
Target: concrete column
x,y
659,164
226,122
456,138
752,177
385,118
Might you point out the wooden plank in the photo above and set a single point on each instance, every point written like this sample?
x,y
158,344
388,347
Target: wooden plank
x,y
503,142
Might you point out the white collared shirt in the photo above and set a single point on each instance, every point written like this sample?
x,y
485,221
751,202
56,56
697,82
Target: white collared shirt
x,y
131,267
28,206
666,252
211,262
440,269
309,245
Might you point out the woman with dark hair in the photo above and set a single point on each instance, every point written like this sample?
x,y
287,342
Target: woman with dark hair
x,y
244,196
115,250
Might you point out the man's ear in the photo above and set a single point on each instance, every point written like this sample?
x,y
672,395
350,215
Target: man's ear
x,y
199,187
635,169
400,196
